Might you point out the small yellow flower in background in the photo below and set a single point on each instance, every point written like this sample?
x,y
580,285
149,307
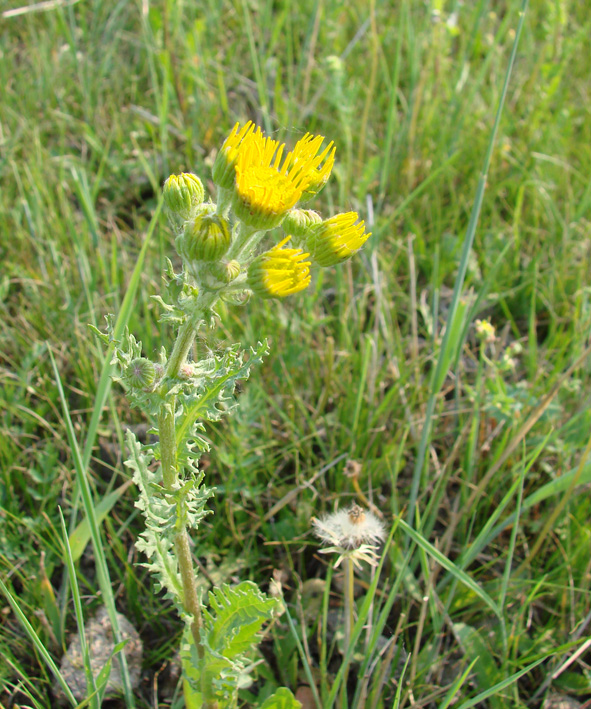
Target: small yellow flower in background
x,y
279,272
485,330
224,167
336,239
266,188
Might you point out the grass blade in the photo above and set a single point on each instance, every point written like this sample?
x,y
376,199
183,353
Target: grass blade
x,y
500,685
448,345
460,575
97,545
84,649
34,638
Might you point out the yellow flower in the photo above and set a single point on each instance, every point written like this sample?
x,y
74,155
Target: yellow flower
x,y
279,272
223,171
336,239
265,188
318,175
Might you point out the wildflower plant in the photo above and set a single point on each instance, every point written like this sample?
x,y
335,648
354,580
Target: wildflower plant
x,y
230,252
353,534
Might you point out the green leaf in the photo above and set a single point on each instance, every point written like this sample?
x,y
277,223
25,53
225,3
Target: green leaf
x,y
282,699
236,616
210,391
476,650
81,535
457,573
501,685
156,541
231,628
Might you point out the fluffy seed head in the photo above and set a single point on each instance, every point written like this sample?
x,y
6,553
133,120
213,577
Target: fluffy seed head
x,y
349,528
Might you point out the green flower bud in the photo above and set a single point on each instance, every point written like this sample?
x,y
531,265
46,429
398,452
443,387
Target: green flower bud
x,y
182,194
298,221
227,272
206,238
140,373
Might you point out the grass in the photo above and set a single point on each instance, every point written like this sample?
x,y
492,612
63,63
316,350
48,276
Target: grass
x,y
467,453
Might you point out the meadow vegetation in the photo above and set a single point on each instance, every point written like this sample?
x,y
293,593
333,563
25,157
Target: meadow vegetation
x,y
381,388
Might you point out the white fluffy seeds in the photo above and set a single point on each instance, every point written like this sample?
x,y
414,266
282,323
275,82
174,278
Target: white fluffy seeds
x,y
349,528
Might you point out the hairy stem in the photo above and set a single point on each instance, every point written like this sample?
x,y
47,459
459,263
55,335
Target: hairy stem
x,y
184,342
170,473
168,454
167,444
191,601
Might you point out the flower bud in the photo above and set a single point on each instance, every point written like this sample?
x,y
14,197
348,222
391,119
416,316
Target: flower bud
x,y
227,272
140,373
279,272
206,238
182,194
298,221
336,239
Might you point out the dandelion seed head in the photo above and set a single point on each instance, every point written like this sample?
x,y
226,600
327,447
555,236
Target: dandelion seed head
x,y
349,528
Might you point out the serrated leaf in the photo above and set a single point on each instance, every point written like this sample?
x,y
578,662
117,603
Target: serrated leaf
x,y
231,628
156,541
236,616
211,390
282,699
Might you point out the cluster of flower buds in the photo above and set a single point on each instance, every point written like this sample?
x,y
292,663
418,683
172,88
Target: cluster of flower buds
x,y
259,189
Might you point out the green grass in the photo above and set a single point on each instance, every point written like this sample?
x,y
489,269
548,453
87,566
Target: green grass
x,y
100,102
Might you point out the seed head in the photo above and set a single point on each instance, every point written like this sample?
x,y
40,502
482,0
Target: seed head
x,y
350,528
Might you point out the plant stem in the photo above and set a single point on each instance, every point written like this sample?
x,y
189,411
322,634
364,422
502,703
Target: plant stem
x,y
191,601
168,457
183,344
167,445
349,582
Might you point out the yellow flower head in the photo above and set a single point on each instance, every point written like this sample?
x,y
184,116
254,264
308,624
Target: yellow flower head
x,y
266,188
336,239
304,150
223,171
279,272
